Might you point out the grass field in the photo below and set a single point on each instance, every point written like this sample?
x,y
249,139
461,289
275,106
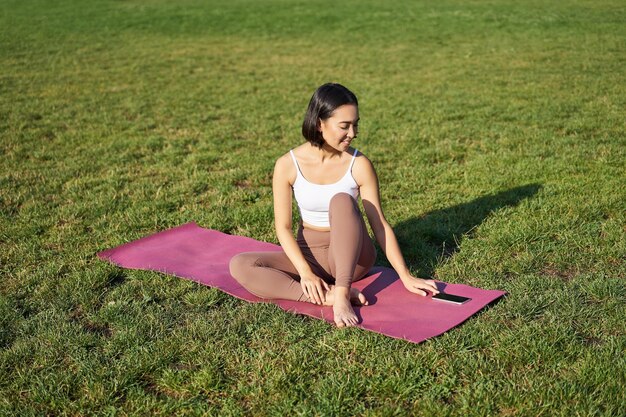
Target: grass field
x,y
497,130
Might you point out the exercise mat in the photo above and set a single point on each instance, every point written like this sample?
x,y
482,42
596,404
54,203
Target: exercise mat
x,y
202,255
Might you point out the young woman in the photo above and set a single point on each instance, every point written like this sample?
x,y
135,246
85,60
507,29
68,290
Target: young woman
x,y
332,248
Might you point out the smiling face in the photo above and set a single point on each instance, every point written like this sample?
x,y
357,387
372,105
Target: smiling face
x,y
341,127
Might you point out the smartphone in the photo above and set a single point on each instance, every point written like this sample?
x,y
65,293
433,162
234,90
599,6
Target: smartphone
x,y
450,298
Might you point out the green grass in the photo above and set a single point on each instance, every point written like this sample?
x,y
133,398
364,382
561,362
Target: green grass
x,y
497,129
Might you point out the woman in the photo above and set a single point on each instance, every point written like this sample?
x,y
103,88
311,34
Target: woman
x,y
332,248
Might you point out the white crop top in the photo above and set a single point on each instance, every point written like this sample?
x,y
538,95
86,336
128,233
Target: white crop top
x,y
314,199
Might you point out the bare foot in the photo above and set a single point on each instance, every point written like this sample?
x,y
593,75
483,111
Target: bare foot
x,y
341,299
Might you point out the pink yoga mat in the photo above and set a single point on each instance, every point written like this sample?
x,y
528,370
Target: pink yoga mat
x,y
202,255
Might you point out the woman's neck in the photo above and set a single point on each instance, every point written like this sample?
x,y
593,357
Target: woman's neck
x,y
325,152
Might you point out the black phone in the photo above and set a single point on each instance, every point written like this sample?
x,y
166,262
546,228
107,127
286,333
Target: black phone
x,y
456,299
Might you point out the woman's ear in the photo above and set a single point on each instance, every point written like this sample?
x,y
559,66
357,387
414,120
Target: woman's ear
x,y
319,125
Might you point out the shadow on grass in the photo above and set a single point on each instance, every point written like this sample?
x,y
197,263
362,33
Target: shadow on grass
x,y
429,239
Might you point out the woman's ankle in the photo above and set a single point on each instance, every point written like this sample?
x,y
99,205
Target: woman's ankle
x,y
342,292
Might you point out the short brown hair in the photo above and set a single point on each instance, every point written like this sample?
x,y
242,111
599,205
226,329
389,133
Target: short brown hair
x,y
326,99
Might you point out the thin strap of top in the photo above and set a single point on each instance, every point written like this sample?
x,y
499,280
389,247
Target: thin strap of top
x,y
295,161
352,161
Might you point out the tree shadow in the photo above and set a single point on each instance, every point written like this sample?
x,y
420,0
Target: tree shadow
x,y
434,236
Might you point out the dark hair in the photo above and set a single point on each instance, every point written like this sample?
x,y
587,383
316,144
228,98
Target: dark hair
x,y
324,102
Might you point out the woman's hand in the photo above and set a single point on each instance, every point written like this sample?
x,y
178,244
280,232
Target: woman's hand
x,y
420,286
314,287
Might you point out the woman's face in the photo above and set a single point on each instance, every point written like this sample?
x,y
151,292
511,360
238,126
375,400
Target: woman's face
x,y
341,127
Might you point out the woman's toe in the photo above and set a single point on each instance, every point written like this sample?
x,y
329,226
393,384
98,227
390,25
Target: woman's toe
x,y
362,299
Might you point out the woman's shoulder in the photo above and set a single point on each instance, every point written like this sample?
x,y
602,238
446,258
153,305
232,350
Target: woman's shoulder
x,y
284,160
284,166
363,169
360,158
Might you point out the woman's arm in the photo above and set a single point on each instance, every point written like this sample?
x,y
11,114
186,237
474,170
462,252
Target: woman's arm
x,y
386,238
312,285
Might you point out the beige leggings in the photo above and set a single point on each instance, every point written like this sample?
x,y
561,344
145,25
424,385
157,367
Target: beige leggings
x,y
339,256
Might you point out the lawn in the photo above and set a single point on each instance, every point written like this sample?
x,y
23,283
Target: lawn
x,y
497,130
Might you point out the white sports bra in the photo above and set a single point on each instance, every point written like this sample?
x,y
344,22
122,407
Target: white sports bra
x,y
314,199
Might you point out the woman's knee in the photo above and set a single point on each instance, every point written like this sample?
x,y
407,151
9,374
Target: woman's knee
x,y
241,265
342,201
